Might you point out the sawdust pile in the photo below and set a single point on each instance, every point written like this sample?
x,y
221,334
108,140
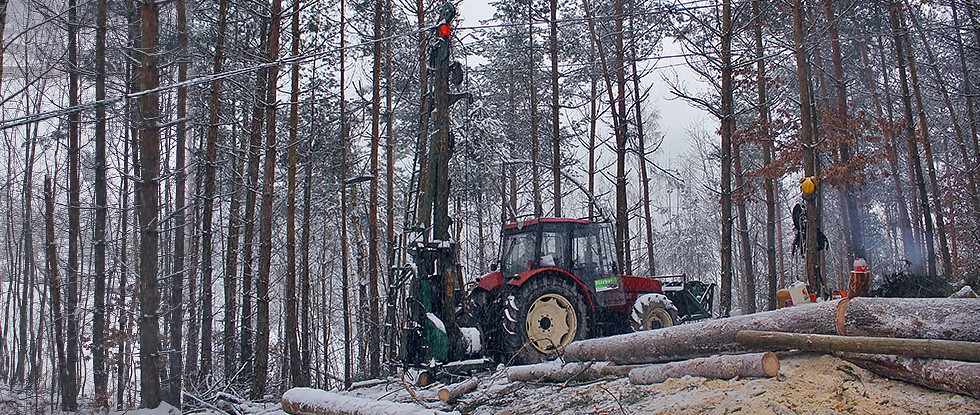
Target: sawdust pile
x,y
807,384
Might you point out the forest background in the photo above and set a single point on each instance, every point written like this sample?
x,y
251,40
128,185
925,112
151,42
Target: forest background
x,y
209,197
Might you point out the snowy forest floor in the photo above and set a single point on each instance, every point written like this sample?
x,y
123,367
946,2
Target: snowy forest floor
x,y
808,383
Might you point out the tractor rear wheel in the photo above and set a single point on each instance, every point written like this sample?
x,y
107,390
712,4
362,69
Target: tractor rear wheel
x,y
652,311
541,318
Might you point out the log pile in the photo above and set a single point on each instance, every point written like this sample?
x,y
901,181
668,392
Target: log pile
x,y
930,342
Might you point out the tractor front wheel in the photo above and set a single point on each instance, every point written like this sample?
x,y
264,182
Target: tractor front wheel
x,y
541,318
652,311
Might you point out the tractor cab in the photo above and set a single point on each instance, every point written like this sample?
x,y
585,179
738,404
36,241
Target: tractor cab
x,y
582,248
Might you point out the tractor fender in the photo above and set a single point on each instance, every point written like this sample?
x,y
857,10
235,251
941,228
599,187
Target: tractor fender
x,y
521,278
491,281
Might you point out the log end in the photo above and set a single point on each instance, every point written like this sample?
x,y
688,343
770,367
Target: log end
x,y
770,364
444,394
841,316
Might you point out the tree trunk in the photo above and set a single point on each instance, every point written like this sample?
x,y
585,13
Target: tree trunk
x,y
972,118
930,163
918,266
969,164
850,194
641,153
265,215
374,336
207,215
932,318
229,333
344,249
254,152
945,375
307,332
727,130
292,326
99,373
745,243
761,365
173,392
533,113
74,210
149,292
555,108
54,285
622,209
928,348
768,151
808,135
391,297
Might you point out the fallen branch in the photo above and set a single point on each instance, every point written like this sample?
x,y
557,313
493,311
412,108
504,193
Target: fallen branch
x,y
945,375
452,392
927,348
714,367
308,401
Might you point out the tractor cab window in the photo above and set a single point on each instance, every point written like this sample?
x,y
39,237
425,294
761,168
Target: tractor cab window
x,y
554,245
518,253
592,251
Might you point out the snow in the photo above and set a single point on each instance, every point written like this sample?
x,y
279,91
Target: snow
x,y
436,321
163,409
471,338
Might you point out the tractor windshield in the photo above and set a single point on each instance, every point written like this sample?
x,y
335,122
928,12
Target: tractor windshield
x,y
518,253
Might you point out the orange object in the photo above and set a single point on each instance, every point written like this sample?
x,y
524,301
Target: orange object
x,y
813,298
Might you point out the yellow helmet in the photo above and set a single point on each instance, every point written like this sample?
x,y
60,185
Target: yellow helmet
x,y
808,185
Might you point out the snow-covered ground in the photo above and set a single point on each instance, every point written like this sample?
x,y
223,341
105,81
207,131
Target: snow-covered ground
x,y
808,383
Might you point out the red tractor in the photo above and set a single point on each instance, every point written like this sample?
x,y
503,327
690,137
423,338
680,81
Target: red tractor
x,y
557,281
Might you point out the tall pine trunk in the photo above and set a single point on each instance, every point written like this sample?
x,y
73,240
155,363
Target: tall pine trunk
x,y
251,192
374,336
919,264
265,215
344,249
641,154
99,372
533,113
727,130
290,289
54,284
555,109
622,210
808,139
74,210
149,152
768,150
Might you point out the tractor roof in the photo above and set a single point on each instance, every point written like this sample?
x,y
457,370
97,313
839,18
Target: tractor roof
x,y
530,222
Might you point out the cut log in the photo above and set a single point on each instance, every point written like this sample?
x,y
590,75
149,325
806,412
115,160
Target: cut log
x,y
913,318
945,375
308,401
859,284
965,292
762,365
704,338
927,348
556,372
926,318
452,392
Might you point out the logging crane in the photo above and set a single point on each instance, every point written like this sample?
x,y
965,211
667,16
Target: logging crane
x,y
556,280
